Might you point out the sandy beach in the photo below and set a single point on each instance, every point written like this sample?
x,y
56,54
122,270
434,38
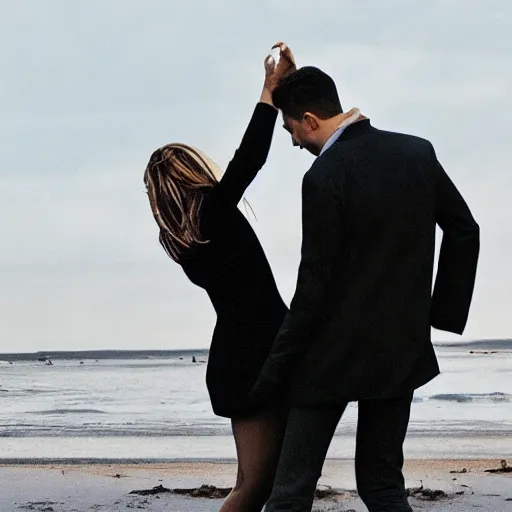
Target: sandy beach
x,y
106,485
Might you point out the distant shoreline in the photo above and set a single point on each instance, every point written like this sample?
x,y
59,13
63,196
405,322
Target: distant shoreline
x,y
490,344
103,354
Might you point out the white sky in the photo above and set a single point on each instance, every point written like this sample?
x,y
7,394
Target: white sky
x,y
89,89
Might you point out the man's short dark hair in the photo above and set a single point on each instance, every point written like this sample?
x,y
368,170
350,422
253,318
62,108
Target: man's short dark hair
x,y
307,90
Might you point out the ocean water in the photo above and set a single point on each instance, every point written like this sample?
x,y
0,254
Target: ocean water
x,y
158,408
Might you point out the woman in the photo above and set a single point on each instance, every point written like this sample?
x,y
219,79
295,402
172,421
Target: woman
x,y
202,229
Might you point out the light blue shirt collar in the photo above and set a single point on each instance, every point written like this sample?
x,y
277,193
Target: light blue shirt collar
x,y
341,128
332,139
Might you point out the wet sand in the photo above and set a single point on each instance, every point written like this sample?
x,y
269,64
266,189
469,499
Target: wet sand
x,y
105,486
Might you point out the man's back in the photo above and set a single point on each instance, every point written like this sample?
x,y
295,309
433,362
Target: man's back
x,y
373,338
359,323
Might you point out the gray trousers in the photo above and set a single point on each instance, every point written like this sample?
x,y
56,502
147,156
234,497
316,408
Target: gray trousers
x,y
381,430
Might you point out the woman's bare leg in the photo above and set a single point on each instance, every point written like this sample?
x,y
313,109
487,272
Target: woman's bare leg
x,y
258,442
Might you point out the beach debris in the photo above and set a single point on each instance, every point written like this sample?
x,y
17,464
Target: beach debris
x,y
215,493
332,508
505,468
40,506
159,489
326,491
456,471
205,491
429,494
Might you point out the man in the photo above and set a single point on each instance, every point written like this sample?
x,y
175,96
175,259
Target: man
x,y
359,324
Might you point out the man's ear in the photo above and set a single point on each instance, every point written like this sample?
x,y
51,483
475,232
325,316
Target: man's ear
x,y
311,121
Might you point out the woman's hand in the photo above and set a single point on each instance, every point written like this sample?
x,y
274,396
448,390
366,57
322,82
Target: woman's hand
x,y
273,73
285,66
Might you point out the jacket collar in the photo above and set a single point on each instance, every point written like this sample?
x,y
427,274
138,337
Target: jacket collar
x,y
355,130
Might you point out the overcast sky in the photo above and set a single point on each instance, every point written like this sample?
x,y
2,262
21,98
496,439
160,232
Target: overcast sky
x,y
89,89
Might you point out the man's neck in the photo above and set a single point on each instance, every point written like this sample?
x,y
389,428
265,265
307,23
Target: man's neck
x,y
332,124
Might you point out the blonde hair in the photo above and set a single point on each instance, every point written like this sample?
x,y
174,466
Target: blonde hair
x,y
175,178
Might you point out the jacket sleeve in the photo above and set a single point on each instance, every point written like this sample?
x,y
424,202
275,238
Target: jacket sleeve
x,y
248,159
458,258
322,241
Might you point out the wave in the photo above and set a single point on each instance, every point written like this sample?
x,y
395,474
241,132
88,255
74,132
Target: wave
x,y
111,431
69,411
421,429
473,397
40,391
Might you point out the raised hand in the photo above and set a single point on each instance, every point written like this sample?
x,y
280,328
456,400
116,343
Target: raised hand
x,y
285,66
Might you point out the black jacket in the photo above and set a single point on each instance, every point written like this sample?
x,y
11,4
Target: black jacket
x,y
233,269
359,323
